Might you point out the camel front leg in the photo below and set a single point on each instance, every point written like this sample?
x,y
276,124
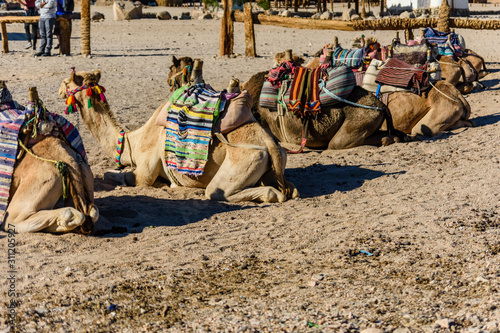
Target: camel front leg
x,y
57,220
240,171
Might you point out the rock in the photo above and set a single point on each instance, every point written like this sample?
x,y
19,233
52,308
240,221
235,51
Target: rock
x,y
355,17
126,10
372,330
348,13
272,12
326,16
443,323
318,277
424,16
316,16
97,17
407,14
41,311
401,330
206,16
312,284
286,13
163,15
185,16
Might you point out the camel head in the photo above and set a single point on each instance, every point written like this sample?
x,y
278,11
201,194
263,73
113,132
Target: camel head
x,y
179,70
77,80
280,57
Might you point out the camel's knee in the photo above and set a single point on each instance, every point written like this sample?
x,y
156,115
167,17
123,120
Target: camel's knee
x,y
70,218
270,194
94,214
215,193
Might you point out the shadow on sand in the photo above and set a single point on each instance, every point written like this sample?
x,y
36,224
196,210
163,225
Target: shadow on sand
x,y
131,214
319,179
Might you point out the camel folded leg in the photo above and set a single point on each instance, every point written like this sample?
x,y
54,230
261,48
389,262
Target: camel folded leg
x,y
243,168
56,220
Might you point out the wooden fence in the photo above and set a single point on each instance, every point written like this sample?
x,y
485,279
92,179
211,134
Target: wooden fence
x,y
443,23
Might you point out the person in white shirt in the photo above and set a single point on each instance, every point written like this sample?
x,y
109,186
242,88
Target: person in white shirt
x,y
48,9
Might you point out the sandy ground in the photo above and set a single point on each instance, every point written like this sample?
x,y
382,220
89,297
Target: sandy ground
x,y
169,260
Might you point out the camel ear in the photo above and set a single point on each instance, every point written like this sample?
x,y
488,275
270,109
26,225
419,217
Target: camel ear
x,y
175,61
97,74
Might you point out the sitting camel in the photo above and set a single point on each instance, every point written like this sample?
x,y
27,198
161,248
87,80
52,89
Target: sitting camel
x,y
438,109
339,127
464,73
37,187
233,170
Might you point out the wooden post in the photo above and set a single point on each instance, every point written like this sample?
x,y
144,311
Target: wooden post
x,y
409,35
363,10
64,38
5,39
33,94
382,8
335,42
249,32
85,29
444,17
356,6
226,41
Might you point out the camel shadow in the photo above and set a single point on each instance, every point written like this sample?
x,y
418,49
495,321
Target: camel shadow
x,y
490,84
126,215
487,120
320,179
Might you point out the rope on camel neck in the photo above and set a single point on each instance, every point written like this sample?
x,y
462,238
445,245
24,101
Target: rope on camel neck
x,y
60,166
119,150
322,85
90,88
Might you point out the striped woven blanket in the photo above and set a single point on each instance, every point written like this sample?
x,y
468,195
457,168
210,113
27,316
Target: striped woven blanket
x,y
400,74
441,39
189,128
12,117
350,57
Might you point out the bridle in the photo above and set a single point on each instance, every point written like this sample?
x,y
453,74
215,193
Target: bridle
x,y
184,75
90,89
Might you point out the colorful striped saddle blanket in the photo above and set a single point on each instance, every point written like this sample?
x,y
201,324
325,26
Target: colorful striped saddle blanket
x,y
189,128
454,47
397,73
12,118
340,80
352,58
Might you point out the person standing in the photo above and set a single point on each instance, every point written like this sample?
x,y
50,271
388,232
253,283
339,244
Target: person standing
x,y
64,9
48,9
30,10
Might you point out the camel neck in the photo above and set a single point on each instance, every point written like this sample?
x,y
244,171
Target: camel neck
x,y
102,124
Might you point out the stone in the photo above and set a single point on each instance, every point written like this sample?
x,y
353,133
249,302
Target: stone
x,y
401,330
126,10
326,16
206,16
97,17
316,16
272,12
41,311
163,15
356,17
372,330
348,13
185,16
407,14
443,323
286,13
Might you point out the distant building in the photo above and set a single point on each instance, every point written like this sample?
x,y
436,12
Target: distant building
x,y
460,7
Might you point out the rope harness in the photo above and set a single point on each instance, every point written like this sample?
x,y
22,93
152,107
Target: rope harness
x,y
60,166
185,73
91,89
119,150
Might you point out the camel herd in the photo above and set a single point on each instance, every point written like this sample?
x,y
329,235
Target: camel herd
x,y
246,164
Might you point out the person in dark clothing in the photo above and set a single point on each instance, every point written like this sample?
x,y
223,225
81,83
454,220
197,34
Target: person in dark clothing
x,y
68,16
30,10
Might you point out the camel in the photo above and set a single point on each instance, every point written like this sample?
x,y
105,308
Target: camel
x,y
439,109
233,171
37,187
464,73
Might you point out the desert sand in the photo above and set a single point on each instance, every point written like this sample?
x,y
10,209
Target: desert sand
x,y
403,238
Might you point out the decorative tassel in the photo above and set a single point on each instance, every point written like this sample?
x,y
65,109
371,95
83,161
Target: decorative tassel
x,y
69,109
70,100
102,97
89,103
89,92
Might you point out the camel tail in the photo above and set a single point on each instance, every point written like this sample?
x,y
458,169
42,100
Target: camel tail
x,y
80,195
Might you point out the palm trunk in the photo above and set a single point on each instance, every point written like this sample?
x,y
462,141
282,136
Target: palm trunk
x,y
85,18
